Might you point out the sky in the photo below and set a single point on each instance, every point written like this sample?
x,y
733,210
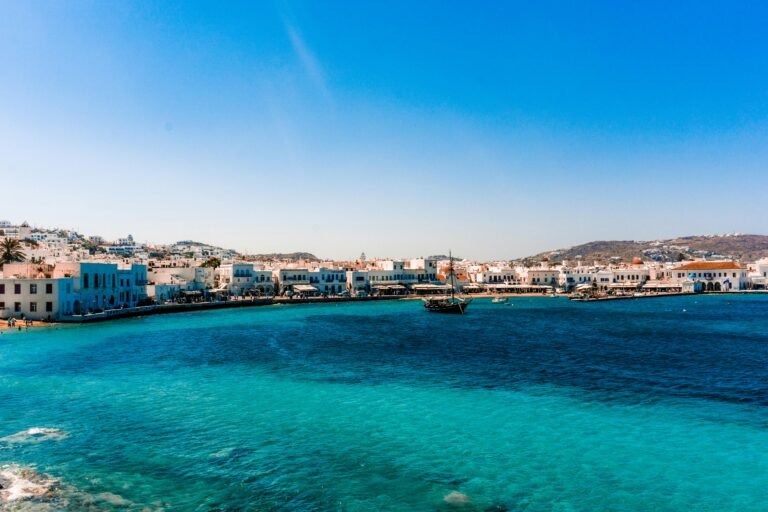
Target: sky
x,y
398,129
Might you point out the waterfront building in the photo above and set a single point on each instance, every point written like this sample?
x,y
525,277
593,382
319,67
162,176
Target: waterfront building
x,y
358,282
712,276
393,277
189,278
429,266
263,283
571,277
326,280
539,276
240,279
132,284
493,275
758,274
293,280
100,286
164,292
45,298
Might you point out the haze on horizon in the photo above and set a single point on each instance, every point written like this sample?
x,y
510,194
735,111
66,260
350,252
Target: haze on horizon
x,y
395,129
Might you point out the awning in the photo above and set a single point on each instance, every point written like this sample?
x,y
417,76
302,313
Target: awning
x,y
426,286
663,285
390,287
304,288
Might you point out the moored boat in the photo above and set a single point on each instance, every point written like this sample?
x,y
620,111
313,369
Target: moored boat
x,y
447,304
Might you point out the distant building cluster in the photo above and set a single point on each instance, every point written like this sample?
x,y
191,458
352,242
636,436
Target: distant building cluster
x,y
63,274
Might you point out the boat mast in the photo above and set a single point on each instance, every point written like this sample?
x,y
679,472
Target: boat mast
x,y
450,269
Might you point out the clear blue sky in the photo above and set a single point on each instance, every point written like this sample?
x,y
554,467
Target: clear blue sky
x,y
497,129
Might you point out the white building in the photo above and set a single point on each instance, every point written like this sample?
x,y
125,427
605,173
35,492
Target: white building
x,y
357,282
37,299
293,280
494,275
572,277
539,276
758,274
712,276
330,281
240,279
188,278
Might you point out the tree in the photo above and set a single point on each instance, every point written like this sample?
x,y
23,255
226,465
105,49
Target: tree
x,y
10,251
212,262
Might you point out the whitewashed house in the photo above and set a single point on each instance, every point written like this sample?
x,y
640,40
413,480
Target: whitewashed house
x,y
713,276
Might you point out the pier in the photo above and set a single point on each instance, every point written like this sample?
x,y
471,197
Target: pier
x,y
160,309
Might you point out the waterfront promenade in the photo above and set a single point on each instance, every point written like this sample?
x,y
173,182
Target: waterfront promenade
x,y
160,309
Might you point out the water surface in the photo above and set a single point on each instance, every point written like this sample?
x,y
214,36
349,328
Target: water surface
x,y
657,404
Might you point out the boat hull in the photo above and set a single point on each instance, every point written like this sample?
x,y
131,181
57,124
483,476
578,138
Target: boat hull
x,y
441,307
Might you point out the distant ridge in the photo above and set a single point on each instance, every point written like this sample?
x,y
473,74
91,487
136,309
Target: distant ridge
x,y
736,246
443,257
289,256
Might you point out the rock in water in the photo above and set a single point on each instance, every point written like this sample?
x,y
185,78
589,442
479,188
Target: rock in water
x,y
456,498
113,499
22,483
34,435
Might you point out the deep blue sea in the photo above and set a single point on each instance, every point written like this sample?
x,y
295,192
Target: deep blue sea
x,y
543,405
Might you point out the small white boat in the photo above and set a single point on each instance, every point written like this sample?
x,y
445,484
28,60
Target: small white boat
x,y
500,300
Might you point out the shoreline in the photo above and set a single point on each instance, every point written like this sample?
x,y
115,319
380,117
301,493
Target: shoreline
x,y
164,309
21,327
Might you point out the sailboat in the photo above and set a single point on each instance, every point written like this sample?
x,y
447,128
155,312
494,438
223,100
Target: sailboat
x,y
447,304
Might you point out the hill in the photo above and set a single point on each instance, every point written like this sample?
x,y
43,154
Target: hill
x,y
291,256
738,246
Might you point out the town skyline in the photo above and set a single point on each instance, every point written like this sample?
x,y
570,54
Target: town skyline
x,y
752,247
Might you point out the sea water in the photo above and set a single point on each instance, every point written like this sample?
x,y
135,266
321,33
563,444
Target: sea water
x,y
545,404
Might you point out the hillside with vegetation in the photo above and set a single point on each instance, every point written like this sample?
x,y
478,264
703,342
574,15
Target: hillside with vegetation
x,y
738,246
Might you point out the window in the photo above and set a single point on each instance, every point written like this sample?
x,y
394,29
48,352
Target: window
x,y
85,280
17,307
49,288
2,288
33,306
32,288
2,305
95,280
17,289
49,307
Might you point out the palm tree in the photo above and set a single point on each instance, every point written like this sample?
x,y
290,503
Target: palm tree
x,y
10,251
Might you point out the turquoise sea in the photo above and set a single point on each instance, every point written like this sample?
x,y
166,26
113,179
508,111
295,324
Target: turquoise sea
x,y
543,405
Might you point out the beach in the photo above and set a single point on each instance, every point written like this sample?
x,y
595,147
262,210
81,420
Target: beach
x,y
20,325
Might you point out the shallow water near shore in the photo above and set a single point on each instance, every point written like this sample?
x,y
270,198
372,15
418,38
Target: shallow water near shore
x,y
652,404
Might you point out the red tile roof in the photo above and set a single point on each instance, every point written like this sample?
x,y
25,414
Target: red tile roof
x,y
711,265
